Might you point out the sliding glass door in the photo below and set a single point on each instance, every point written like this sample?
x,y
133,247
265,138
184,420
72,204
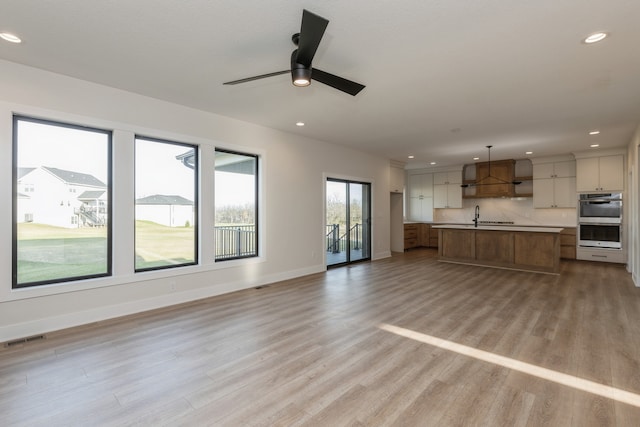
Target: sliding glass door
x,y
348,225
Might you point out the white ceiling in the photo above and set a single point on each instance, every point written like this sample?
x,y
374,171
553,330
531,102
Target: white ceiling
x,y
444,78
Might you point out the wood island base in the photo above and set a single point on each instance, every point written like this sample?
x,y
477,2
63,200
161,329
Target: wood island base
x,y
519,248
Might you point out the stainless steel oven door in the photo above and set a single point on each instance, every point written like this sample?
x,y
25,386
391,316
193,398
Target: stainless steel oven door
x,y
600,208
600,235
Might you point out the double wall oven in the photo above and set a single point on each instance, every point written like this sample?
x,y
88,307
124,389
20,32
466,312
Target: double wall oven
x,y
600,220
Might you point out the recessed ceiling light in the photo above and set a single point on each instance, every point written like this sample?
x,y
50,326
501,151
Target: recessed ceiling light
x,y
10,37
411,157
594,132
595,37
299,123
594,145
476,158
528,152
432,163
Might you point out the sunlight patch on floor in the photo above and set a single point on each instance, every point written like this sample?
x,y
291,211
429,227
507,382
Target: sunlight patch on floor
x,y
526,368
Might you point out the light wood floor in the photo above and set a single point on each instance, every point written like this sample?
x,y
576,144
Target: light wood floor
x,y
347,347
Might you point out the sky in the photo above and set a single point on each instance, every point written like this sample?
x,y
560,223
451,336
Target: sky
x,y
157,169
63,148
339,190
159,172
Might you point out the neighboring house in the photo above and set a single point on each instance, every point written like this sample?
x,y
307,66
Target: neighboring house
x,y
61,198
172,211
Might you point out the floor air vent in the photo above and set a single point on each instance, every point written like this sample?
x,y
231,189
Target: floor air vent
x,y
24,340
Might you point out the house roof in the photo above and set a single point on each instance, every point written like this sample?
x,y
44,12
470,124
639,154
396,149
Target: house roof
x,y
160,199
188,158
71,177
91,195
24,171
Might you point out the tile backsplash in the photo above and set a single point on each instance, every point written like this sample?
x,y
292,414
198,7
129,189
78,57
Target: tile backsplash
x,y
520,212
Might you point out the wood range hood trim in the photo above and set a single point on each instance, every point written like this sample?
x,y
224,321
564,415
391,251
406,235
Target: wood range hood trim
x,y
494,179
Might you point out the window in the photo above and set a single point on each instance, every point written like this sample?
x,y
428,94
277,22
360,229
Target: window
x,y
60,236
166,205
236,205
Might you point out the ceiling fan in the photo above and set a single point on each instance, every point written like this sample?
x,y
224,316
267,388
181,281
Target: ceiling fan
x,y
307,41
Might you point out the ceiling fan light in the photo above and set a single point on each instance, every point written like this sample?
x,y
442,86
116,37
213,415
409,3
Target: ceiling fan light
x,y
301,82
301,77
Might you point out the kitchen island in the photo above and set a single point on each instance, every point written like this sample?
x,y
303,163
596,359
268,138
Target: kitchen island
x,y
521,248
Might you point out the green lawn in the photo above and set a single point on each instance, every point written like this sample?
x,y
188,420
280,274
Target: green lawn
x,y
158,245
48,253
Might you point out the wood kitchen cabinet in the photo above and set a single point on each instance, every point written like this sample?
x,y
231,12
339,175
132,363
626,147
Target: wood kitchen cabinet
x,y
410,236
554,185
420,235
568,243
433,237
424,231
604,173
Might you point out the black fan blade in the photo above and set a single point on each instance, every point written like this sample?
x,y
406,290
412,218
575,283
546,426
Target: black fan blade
x,y
261,76
352,88
311,32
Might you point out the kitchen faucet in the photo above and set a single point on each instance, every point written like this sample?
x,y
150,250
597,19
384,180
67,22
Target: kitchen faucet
x,y
475,220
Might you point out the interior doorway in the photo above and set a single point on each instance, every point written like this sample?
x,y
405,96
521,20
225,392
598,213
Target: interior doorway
x,y
348,221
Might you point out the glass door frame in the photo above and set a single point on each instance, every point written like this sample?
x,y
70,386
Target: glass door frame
x,y
365,233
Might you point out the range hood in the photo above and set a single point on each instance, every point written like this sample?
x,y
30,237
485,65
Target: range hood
x,y
490,179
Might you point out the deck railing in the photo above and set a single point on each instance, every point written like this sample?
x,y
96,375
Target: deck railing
x,y
235,241
337,243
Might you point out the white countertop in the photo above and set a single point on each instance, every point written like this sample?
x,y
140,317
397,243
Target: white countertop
x,y
499,228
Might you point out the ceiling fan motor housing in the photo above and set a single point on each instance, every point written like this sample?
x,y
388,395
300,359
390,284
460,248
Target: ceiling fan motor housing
x,y
300,74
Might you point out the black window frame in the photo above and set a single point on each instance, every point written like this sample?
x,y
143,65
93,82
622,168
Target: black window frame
x,y
256,204
196,203
14,199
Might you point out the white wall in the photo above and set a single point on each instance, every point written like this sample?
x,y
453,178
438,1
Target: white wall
x,y
292,190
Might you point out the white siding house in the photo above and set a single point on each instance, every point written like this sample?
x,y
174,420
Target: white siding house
x,y
61,198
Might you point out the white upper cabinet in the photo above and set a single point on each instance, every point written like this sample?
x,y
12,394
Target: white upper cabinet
x,y
396,180
604,173
421,185
447,196
554,170
441,178
554,184
447,192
